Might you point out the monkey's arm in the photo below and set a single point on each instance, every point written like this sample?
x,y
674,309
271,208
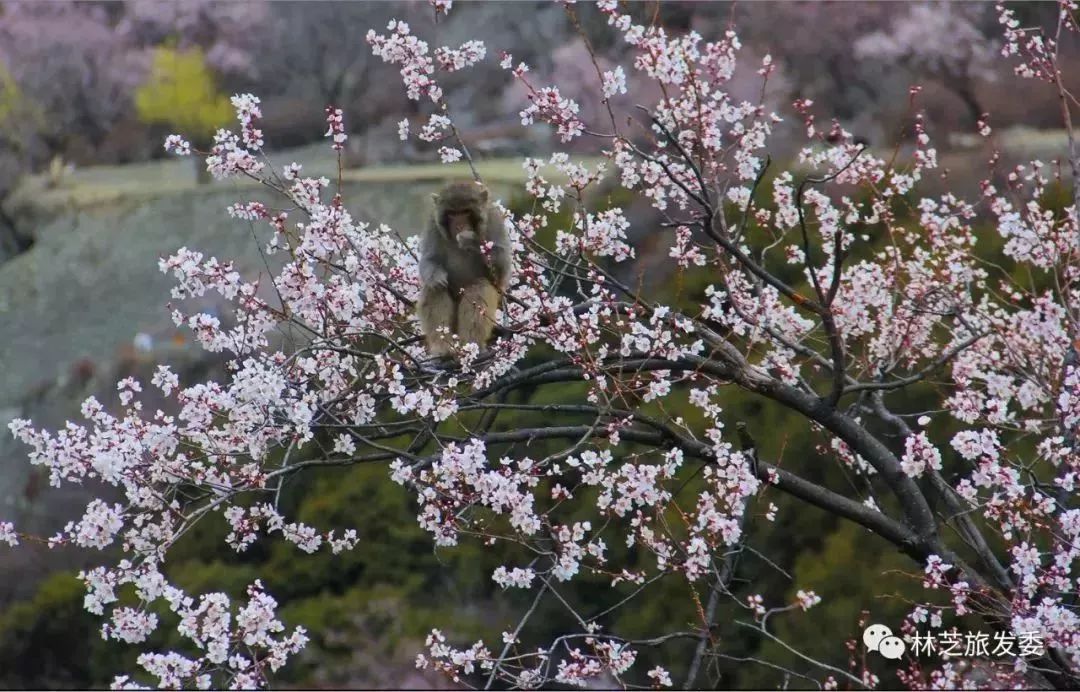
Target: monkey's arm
x,y
501,250
432,262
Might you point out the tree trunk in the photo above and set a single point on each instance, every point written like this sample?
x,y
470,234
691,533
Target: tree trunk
x,y
202,176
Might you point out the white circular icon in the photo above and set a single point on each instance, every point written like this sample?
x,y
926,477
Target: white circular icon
x,y
873,635
892,647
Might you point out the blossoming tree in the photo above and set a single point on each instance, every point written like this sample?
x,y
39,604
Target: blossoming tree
x,y
835,289
959,57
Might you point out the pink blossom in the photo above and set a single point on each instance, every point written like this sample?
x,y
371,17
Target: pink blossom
x,y
336,129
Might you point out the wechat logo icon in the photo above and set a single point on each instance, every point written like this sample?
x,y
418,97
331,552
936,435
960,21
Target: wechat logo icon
x,y
880,638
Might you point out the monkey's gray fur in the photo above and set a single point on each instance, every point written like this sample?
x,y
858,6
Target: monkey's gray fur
x,y
460,287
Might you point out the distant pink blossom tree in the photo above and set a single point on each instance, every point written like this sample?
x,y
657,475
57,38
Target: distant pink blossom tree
x,y
228,32
944,40
79,62
791,317
67,61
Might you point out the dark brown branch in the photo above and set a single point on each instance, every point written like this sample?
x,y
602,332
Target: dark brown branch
x,y
703,200
836,344
919,376
756,269
967,526
821,497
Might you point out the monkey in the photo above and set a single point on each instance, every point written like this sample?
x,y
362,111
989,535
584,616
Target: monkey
x,y
461,285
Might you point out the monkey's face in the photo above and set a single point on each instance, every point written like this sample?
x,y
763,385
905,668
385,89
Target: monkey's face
x,y
461,224
460,210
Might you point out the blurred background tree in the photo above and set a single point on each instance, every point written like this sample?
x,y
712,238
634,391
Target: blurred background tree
x,y
181,93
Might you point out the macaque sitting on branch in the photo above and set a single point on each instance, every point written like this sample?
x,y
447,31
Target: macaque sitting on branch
x,y
464,267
